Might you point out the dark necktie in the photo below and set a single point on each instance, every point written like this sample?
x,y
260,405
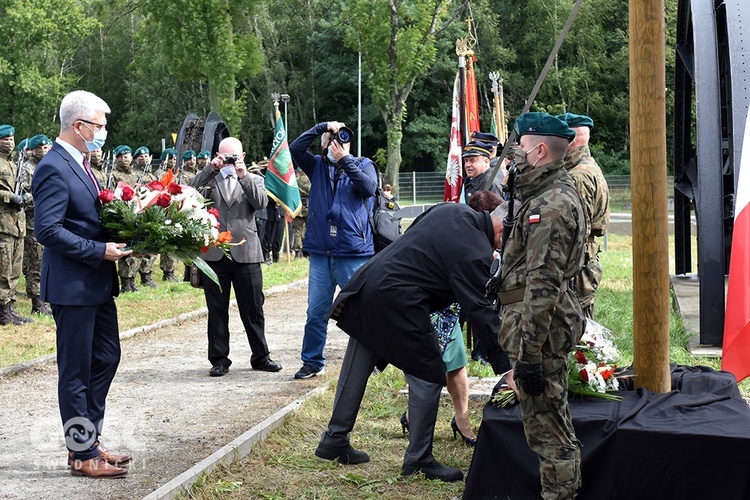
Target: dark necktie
x,y
87,167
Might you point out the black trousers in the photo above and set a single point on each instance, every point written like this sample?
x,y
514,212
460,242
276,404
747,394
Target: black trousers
x,y
88,353
247,280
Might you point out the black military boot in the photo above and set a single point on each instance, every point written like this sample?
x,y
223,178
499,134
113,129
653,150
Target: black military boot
x,y
133,287
125,285
38,306
22,319
7,317
169,276
146,280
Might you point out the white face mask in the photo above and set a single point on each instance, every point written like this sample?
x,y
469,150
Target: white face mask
x,y
228,170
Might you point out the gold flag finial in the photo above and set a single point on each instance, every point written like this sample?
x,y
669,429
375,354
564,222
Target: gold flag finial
x,y
465,46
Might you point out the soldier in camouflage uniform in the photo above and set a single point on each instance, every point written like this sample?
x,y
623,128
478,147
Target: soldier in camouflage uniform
x,y
97,166
594,192
32,250
202,159
300,221
541,318
142,160
128,266
12,230
188,169
167,263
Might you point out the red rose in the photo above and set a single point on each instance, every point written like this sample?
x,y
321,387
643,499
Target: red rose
x,y
213,212
156,186
105,196
584,375
174,188
127,193
581,357
163,200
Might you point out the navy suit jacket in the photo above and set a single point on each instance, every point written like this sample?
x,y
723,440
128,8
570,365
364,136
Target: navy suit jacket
x,y
66,222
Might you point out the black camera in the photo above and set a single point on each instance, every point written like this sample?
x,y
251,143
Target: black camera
x,y
230,159
343,136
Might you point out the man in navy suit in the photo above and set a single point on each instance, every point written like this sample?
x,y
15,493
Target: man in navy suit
x,y
79,281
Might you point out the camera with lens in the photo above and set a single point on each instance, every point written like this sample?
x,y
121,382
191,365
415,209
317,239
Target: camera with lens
x,y
230,159
343,136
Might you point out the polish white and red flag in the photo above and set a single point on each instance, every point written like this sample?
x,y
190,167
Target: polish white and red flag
x,y
736,346
453,172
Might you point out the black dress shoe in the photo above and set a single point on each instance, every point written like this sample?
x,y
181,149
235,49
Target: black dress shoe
x,y
218,371
435,470
268,365
346,454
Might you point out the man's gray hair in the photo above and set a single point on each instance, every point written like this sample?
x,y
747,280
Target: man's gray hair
x,y
80,105
500,211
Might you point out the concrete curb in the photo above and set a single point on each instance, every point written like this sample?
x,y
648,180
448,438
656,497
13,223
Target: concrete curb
x,y
188,316
237,449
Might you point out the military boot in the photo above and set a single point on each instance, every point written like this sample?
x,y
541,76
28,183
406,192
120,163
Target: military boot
x,y
38,306
146,280
22,319
169,276
133,287
7,317
125,286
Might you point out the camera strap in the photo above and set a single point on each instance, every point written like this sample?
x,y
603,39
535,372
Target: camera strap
x,y
537,86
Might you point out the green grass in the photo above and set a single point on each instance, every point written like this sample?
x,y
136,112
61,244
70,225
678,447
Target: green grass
x,y
25,342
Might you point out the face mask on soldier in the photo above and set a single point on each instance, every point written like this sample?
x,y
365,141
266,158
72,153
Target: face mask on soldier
x,y
519,157
6,147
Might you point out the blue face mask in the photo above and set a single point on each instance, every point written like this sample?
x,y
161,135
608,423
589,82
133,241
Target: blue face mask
x,y
331,158
98,140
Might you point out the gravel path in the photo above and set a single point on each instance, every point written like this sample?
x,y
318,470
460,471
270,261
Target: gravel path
x,y
163,407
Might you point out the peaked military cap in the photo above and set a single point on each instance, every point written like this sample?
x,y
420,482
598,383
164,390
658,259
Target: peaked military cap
x,y
535,123
485,137
143,150
188,155
168,152
204,154
576,120
6,131
38,140
477,148
122,150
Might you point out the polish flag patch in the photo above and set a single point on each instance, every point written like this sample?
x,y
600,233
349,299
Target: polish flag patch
x,y
535,218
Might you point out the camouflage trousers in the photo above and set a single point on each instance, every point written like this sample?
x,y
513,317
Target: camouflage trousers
x,y
298,226
550,434
128,266
11,259
167,263
586,284
147,263
32,263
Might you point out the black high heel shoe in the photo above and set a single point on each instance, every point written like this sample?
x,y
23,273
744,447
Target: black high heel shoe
x,y
404,424
468,441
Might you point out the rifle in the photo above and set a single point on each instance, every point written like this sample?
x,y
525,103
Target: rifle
x,y
106,159
18,190
493,284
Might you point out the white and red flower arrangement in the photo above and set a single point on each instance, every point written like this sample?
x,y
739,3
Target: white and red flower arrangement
x,y
166,218
592,367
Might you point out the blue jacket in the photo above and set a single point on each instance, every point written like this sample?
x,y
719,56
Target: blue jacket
x,y
338,220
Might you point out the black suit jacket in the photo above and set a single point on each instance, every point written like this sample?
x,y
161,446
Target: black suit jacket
x,y
66,220
443,258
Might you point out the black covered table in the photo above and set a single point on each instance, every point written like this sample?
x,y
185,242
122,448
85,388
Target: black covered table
x,y
690,443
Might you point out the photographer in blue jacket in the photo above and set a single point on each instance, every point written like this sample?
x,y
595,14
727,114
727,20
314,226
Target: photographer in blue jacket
x,y
338,237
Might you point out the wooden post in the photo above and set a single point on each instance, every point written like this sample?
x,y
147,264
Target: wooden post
x,y
648,159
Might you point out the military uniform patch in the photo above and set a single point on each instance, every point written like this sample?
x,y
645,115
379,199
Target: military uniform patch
x,y
535,218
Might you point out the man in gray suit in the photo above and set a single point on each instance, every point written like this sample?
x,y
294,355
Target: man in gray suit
x,y
236,194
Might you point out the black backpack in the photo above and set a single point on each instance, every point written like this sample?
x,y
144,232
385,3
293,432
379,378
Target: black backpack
x,y
386,225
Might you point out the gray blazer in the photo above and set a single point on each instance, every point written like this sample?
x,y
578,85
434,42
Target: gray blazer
x,y
236,212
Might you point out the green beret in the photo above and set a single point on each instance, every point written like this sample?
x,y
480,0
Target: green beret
x,y
168,152
204,154
485,137
38,140
188,155
6,131
476,148
122,150
22,145
576,120
143,150
542,124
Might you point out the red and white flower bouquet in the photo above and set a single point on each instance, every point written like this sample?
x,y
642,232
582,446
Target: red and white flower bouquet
x,y
166,218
